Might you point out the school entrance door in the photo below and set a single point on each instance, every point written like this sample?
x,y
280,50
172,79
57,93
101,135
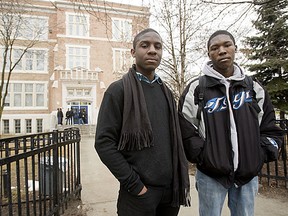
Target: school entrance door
x,y
76,107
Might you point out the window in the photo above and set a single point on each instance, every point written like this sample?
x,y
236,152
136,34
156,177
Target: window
x,y
75,103
28,125
6,126
77,57
27,94
70,92
87,92
29,60
33,60
7,99
17,94
122,60
79,92
77,25
73,92
39,60
16,56
39,125
122,29
32,28
17,124
39,94
25,27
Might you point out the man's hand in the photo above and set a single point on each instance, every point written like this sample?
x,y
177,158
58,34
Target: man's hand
x,y
143,191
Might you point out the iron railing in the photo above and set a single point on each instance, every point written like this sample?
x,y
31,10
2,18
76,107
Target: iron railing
x,y
39,173
275,173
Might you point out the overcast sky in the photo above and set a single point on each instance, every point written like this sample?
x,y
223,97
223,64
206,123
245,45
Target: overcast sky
x,y
242,28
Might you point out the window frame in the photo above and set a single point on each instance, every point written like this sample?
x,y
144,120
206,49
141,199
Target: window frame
x,y
78,25
30,59
31,20
19,96
17,126
125,63
77,56
6,126
28,125
39,125
119,33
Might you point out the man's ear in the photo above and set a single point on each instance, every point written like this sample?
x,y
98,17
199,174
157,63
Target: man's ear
x,y
132,53
236,48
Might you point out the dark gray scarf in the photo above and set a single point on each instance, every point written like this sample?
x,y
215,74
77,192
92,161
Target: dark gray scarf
x,y
137,134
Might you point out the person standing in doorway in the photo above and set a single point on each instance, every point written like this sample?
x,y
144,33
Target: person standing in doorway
x,y
138,136
68,117
81,116
233,134
60,116
73,115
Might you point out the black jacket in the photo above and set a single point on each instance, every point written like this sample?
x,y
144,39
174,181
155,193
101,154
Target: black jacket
x,y
208,142
134,169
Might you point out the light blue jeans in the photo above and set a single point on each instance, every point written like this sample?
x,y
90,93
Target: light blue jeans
x,y
212,195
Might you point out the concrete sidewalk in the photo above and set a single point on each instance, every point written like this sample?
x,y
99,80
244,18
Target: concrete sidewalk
x,y
100,189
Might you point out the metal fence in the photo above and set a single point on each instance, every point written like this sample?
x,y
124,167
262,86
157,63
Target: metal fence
x,y
39,173
275,173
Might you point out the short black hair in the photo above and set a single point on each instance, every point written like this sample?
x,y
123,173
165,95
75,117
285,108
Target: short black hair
x,y
136,38
219,32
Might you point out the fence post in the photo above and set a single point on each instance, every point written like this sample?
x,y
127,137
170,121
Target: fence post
x,y
5,183
55,173
284,126
78,183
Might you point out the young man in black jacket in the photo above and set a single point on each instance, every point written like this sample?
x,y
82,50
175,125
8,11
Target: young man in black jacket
x,y
138,137
234,134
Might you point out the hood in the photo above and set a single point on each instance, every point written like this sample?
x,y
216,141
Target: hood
x,y
237,76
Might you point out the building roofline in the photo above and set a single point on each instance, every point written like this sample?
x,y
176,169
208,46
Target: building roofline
x,y
106,7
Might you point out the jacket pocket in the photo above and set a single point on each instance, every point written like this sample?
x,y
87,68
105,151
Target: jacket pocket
x,y
215,162
193,148
270,150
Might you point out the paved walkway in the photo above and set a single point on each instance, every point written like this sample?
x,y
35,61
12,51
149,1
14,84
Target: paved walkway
x,y
100,189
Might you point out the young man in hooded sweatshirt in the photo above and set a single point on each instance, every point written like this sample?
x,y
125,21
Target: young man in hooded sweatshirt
x,y
138,136
233,134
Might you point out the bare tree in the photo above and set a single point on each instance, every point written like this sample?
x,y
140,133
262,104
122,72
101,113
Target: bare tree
x,y
107,14
177,30
102,11
253,2
185,26
15,30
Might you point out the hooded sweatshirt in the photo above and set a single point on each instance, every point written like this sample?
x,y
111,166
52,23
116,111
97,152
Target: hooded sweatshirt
x,y
232,140
238,75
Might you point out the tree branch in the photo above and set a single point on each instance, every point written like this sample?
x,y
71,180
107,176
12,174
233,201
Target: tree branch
x,y
254,2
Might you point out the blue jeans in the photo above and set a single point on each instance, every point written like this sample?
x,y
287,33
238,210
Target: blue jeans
x,y
211,195
81,121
